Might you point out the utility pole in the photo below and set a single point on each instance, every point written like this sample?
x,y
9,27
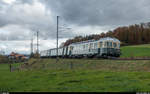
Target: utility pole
x,y
57,39
37,42
31,46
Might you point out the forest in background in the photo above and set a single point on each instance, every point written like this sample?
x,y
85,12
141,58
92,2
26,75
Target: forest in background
x,y
128,35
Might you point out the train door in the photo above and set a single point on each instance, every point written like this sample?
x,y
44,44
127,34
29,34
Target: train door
x,y
66,51
63,49
100,47
49,53
71,49
90,47
96,47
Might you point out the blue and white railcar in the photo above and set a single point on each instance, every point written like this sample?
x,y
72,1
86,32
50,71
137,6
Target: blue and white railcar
x,y
60,51
99,48
44,53
49,52
53,52
65,50
103,47
109,47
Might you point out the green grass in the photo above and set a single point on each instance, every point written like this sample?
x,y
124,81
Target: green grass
x,y
89,64
136,51
86,76
65,81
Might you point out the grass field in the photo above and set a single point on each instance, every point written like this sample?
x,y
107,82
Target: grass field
x,y
136,51
84,76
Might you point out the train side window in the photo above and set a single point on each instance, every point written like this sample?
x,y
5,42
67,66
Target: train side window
x,y
105,44
95,45
83,47
86,46
101,44
80,47
91,45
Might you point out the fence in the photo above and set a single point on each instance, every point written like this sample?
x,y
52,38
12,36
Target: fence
x,y
80,64
13,68
91,64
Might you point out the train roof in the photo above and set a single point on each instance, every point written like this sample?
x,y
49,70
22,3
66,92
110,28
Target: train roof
x,y
101,39
109,39
56,48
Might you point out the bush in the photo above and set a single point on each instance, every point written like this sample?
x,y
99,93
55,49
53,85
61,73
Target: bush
x,y
4,59
35,55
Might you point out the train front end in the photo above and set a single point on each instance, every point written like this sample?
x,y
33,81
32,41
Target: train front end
x,y
109,47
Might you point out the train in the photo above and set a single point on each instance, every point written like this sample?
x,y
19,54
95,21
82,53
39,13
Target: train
x,y
102,48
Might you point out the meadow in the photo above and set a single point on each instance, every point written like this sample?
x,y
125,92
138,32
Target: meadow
x,y
80,75
136,51
85,75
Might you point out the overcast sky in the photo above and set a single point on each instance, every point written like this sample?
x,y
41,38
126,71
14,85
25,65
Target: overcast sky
x,y
20,19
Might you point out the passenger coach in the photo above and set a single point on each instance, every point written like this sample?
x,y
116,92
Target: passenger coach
x,y
103,47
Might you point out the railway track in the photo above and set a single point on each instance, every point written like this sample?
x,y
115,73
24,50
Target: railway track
x,y
114,58
111,58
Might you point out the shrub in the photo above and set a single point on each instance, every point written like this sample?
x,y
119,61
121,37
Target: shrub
x,y
4,59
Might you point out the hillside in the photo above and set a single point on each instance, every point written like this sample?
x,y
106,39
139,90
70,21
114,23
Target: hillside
x,y
81,75
136,51
85,75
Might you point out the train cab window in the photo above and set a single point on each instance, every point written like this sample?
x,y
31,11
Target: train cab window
x,y
71,47
115,45
106,43
118,45
110,44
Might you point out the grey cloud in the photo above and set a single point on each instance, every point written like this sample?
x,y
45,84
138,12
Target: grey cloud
x,y
100,12
82,15
37,20
25,1
73,12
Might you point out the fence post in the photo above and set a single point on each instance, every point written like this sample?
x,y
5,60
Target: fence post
x,y
10,66
71,65
43,66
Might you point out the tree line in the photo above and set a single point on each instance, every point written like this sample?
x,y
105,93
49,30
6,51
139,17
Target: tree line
x,y
128,35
